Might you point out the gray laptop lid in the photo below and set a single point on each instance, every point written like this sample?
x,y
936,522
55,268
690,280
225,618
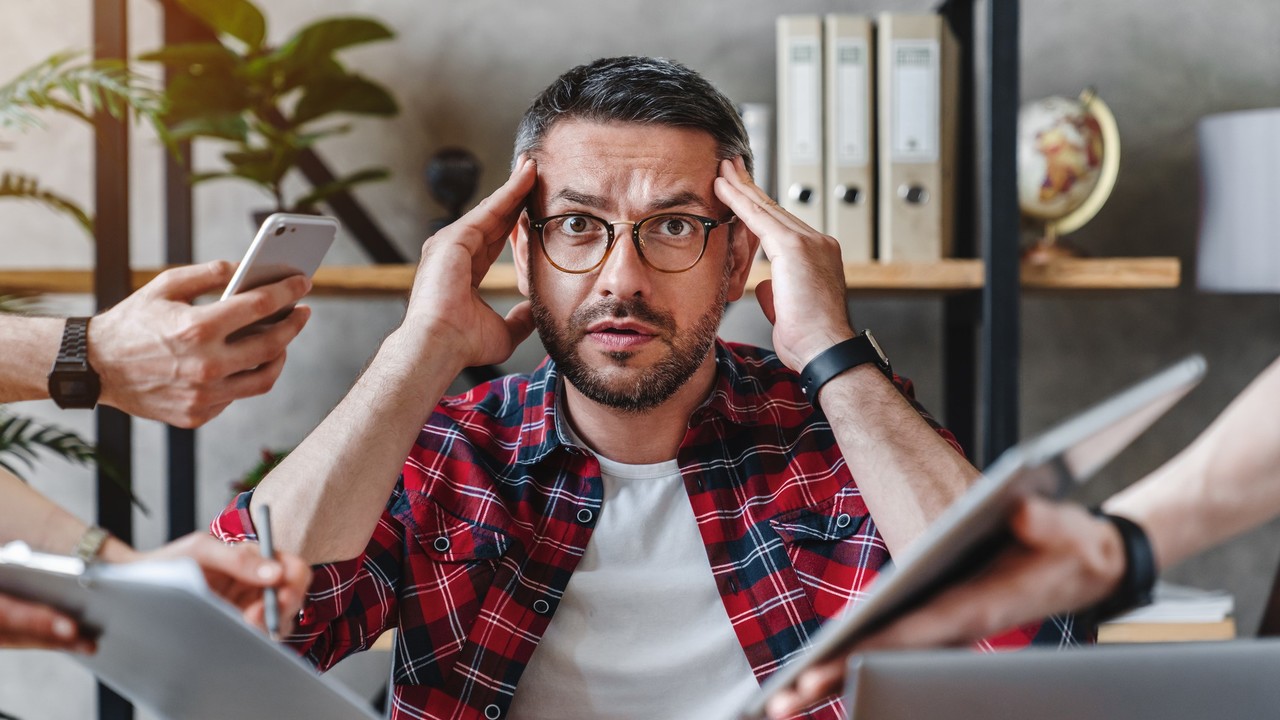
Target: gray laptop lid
x,y
969,532
1237,680
173,648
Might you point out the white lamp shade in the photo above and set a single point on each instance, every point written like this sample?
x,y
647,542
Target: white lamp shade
x,y
1239,246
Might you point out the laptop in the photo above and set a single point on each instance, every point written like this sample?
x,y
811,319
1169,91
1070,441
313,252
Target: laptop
x,y
172,647
1233,680
971,531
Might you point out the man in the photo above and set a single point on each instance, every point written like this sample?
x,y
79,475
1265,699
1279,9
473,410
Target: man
x,y
160,357
665,518
1226,482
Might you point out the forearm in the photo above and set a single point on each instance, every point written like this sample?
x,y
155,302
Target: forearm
x,y
1227,481
907,473
30,346
28,516
328,494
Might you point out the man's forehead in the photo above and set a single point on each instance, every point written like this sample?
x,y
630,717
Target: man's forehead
x,y
587,162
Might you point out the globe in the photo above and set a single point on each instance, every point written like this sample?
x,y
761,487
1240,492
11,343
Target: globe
x,y
1068,159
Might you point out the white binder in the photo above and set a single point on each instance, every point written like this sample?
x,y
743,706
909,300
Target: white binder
x,y
917,88
800,182
850,133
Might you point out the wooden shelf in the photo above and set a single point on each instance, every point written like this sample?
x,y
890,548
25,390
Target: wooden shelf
x,y
941,277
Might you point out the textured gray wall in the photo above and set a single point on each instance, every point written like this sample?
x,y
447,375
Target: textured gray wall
x,y
463,72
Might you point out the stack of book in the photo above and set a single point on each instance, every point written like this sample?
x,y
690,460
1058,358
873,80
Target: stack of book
x,y
1178,614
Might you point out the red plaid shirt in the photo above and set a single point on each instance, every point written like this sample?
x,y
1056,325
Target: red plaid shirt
x,y
495,507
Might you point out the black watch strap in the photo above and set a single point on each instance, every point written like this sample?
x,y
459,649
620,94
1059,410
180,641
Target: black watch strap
x,y
839,358
73,383
1139,579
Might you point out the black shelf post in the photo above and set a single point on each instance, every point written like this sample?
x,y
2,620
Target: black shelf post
x,y
111,284
998,224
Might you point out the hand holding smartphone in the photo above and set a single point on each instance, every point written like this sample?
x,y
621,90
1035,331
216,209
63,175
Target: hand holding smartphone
x,y
286,244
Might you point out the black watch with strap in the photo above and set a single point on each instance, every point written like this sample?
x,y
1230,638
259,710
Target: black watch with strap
x,y
838,359
73,383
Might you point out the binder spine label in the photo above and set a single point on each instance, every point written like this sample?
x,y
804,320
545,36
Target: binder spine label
x,y
852,91
804,139
916,68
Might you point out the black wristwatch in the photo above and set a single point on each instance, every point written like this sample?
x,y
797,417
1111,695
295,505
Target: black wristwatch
x,y
839,358
73,383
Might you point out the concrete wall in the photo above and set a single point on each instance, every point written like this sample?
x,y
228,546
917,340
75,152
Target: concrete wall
x,y
464,71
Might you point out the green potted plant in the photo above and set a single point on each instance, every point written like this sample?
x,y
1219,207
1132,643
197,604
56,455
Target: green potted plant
x,y
268,103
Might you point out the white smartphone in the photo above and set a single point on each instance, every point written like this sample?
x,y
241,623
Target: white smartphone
x,y
286,244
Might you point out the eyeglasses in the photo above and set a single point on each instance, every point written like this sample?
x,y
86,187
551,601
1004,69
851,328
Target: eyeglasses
x,y
670,242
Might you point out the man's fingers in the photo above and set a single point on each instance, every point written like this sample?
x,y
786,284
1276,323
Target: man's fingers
x,y
751,203
813,684
259,348
187,283
246,308
257,381
29,625
493,218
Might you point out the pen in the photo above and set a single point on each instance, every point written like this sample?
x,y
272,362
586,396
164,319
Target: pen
x,y
271,604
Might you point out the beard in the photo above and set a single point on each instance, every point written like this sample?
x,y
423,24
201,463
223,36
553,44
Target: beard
x,y
652,386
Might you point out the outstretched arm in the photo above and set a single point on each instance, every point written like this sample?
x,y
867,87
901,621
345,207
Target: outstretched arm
x,y
237,574
328,494
1226,482
159,356
907,472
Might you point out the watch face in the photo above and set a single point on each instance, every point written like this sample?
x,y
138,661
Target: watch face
x,y
74,388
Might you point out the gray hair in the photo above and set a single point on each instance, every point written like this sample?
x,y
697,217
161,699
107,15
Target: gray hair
x,y
640,90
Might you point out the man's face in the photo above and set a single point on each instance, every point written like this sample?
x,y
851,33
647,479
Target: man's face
x,y
625,335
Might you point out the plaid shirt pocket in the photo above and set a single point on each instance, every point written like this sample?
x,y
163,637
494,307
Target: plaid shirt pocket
x,y
444,589
833,548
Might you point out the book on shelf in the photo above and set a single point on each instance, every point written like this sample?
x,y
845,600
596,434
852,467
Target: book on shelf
x,y
1177,614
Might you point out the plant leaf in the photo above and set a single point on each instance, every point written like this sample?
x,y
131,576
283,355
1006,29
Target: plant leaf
x,y
22,438
23,187
225,127
79,89
238,18
330,35
193,58
350,94
323,192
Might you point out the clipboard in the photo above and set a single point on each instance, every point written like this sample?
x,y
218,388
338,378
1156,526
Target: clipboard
x,y
171,646
973,529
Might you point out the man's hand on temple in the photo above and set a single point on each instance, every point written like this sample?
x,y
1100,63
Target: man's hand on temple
x,y
445,302
805,298
1064,559
162,358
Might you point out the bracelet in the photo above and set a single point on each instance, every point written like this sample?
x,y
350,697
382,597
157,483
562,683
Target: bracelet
x,y
90,543
1139,579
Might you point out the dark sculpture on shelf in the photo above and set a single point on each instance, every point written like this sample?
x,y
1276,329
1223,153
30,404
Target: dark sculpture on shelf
x,y
452,175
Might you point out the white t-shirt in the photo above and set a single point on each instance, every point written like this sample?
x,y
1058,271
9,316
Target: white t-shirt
x,y
641,631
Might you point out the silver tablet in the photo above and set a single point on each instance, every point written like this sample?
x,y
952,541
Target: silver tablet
x,y
172,647
969,532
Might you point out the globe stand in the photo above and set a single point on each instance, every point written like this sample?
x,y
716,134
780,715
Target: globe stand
x,y
1050,248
